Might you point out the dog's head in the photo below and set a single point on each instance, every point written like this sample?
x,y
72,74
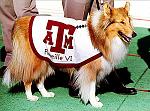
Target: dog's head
x,y
109,25
118,22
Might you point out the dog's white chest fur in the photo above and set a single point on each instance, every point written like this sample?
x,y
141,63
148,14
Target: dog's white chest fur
x,y
118,52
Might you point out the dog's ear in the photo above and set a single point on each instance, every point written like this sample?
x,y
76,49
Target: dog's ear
x,y
107,9
127,6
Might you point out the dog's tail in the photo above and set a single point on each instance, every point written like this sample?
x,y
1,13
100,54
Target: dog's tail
x,y
15,69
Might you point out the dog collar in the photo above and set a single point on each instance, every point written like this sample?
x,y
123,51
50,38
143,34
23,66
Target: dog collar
x,y
81,26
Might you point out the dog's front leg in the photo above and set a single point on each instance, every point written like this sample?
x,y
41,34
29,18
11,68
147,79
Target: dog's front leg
x,y
43,91
86,80
94,100
28,92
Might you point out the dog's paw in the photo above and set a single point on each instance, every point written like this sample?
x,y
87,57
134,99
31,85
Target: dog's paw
x,y
48,94
32,98
96,104
97,98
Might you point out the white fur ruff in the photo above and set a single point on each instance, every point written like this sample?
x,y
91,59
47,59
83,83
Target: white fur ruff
x,y
118,53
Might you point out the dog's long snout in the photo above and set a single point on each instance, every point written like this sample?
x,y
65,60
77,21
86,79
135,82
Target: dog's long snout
x,y
134,34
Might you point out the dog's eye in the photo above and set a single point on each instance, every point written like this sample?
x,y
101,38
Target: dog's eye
x,y
122,22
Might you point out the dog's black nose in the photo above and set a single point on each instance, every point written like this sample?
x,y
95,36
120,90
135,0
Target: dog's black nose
x,y
134,34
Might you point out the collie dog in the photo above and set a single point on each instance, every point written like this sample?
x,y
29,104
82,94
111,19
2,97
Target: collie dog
x,y
110,32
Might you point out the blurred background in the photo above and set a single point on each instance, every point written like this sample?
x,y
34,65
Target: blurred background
x,y
139,10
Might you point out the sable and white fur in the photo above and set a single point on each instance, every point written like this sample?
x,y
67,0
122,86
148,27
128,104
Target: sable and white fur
x,y
104,29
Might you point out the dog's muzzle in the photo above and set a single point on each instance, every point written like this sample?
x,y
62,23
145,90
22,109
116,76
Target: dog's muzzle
x,y
125,38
